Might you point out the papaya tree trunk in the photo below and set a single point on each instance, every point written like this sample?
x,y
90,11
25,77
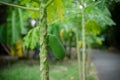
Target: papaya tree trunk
x,y
44,68
70,48
84,43
78,56
88,60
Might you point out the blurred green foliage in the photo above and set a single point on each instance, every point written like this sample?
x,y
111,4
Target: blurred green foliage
x,y
67,13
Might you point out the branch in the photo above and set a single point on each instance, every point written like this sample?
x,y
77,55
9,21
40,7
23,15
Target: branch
x,y
6,49
17,6
48,3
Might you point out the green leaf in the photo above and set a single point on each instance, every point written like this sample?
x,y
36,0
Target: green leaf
x,y
93,39
55,11
25,1
92,27
32,38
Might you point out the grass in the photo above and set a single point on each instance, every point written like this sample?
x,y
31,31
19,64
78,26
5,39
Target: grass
x,y
25,70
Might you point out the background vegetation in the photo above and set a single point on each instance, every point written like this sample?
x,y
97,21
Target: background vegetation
x,y
58,26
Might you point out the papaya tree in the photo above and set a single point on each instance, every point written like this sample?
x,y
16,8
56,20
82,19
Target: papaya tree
x,y
84,15
89,18
39,33
98,21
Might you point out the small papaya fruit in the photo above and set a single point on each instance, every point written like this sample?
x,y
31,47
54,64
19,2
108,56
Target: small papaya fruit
x,y
56,46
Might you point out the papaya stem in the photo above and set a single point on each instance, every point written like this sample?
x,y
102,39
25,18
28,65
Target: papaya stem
x,y
18,6
44,67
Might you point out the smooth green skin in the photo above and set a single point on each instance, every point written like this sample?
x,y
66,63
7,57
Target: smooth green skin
x,y
56,46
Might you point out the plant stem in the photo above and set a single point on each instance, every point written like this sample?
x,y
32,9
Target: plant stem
x,y
44,68
6,49
78,56
48,3
88,61
17,6
84,42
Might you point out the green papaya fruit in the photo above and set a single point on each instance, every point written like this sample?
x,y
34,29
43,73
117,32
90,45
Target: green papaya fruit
x,y
56,46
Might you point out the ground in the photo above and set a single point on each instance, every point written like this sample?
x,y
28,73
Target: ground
x,y
29,70
107,64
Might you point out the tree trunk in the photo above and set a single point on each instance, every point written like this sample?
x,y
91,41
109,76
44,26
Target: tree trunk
x,y
44,68
70,48
88,60
78,56
84,43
